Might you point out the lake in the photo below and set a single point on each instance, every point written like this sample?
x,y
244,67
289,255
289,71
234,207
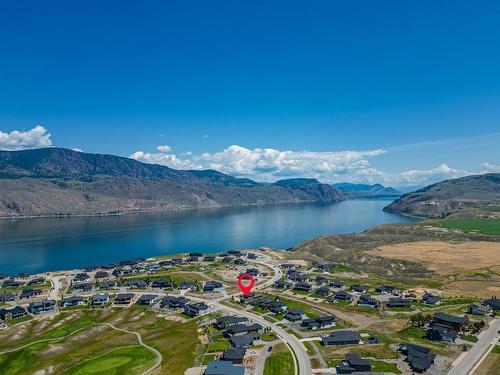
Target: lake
x,y
48,244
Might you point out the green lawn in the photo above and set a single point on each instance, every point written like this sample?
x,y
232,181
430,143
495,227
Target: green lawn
x,y
279,364
208,358
381,366
485,226
470,338
126,360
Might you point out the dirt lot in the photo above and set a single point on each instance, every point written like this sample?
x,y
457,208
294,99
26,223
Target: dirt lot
x,y
445,258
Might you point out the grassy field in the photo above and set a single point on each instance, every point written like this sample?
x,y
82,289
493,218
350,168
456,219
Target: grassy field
x,y
73,336
484,226
280,362
381,366
127,360
491,365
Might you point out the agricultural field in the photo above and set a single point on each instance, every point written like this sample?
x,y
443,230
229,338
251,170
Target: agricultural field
x,y
483,226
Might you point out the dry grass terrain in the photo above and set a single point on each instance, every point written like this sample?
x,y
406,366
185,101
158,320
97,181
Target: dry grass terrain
x,y
445,258
470,267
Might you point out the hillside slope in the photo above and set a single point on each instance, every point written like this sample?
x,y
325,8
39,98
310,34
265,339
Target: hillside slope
x,y
366,191
469,196
56,181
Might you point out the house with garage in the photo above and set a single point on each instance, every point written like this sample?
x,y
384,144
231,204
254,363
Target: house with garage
x,y
8,297
234,355
353,363
147,299
72,301
195,309
15,312
368,301
82,277
302,287
399,303
344,296
418,357
294,315
136,284
99,299
212,286
322,322
225,321
47,305
171,302
124,298
480,309
344,337
431,299
223,368
242,329
243,341
161,283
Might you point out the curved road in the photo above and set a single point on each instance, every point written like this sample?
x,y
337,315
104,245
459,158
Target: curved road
x,y
468,363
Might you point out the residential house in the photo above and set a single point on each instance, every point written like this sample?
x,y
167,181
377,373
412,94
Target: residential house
x,y
302,287
211,286
337,284
353,363
441,332
124,298
7,297
252,271
493,303
99,299
480,309
388,289
320,280
243,341
42,306
418,357
368,301
282,284
15,312
276,307
136,284
323,291
108,284
81,277
344,296
83,287
455,322
161,284
101,274
359,288
242,329
295,315
344,337
187,285
399,302
30,293
208,258
431,299
36,281
322,322
174,302
11,283
147,299
195,309
223,368
225,321
72,301
234,355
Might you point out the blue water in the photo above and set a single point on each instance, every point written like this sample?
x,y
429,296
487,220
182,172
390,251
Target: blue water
x,y
38,245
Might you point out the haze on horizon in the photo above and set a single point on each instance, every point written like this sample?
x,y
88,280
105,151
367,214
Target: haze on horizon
x,y
401,94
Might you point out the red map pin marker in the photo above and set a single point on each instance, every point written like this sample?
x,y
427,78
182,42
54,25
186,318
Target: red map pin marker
x,y
245,288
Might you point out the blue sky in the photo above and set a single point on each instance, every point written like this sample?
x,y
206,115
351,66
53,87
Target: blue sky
x,y
398,92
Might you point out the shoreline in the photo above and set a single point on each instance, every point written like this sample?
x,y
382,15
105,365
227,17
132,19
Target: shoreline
x,y
179,209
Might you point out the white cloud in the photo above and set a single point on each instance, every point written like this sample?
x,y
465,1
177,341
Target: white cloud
x,y
19,140
77,149
490,168
267,164
164,148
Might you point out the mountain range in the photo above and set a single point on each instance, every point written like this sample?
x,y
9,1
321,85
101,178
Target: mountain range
x,y
57,181
353,191
470,196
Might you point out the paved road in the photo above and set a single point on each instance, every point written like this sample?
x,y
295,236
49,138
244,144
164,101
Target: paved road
x,y
469,362
304,365
264,354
